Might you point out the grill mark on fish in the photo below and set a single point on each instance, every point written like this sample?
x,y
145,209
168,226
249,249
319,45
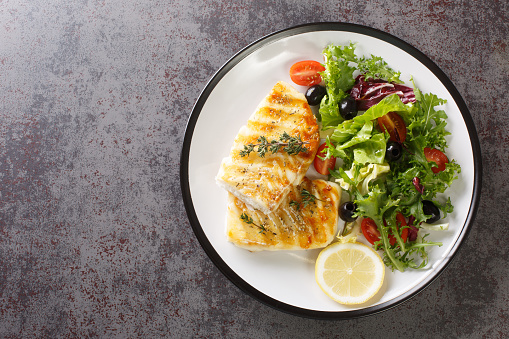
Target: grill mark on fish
x,y
288,228
280,171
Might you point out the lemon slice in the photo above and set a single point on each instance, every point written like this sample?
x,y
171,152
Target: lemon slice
x,y
349,273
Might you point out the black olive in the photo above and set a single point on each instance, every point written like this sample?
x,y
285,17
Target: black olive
x,y
429,208
348,108
315,94
347,210
393,151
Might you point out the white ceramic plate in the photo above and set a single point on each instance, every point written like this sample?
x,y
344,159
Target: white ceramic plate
x,y
285,280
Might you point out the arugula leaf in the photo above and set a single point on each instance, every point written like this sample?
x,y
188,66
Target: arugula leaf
x,y
429,123
378,206
426,128
374,206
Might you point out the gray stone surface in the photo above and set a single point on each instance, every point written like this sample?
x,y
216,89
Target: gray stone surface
x,y
94,98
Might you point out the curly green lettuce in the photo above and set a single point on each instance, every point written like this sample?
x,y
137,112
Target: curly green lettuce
x,y
340,64
360,145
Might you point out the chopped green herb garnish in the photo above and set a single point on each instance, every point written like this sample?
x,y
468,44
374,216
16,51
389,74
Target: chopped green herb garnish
x,y
248,220
290,145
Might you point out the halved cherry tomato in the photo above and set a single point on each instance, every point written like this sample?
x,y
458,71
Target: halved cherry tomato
x,y
395,125
432,154
305,73
370,231
323,166
400,219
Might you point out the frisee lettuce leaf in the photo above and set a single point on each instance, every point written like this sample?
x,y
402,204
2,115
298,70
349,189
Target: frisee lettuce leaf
x,y
338,76
340,64
375,67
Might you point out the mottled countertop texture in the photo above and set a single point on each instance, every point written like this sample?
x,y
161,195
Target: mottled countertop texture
x,y
95,97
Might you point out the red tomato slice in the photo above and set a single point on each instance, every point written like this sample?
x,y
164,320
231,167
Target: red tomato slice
x,y
323,166
432,154
305,73
400,219
370,231
395,125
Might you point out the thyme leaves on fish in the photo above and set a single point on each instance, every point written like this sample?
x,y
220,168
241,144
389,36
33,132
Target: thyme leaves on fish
x,y
308,198
248,220
290,145
295,204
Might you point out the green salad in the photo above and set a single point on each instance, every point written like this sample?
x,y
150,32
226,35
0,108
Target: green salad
x,y
390,141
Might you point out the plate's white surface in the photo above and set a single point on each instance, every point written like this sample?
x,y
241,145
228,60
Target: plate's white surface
x,y
289,276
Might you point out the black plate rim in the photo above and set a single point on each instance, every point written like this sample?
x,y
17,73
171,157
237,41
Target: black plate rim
x,y
209,249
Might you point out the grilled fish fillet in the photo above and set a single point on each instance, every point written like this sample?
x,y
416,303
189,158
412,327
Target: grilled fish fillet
x,y
263,182
295,225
